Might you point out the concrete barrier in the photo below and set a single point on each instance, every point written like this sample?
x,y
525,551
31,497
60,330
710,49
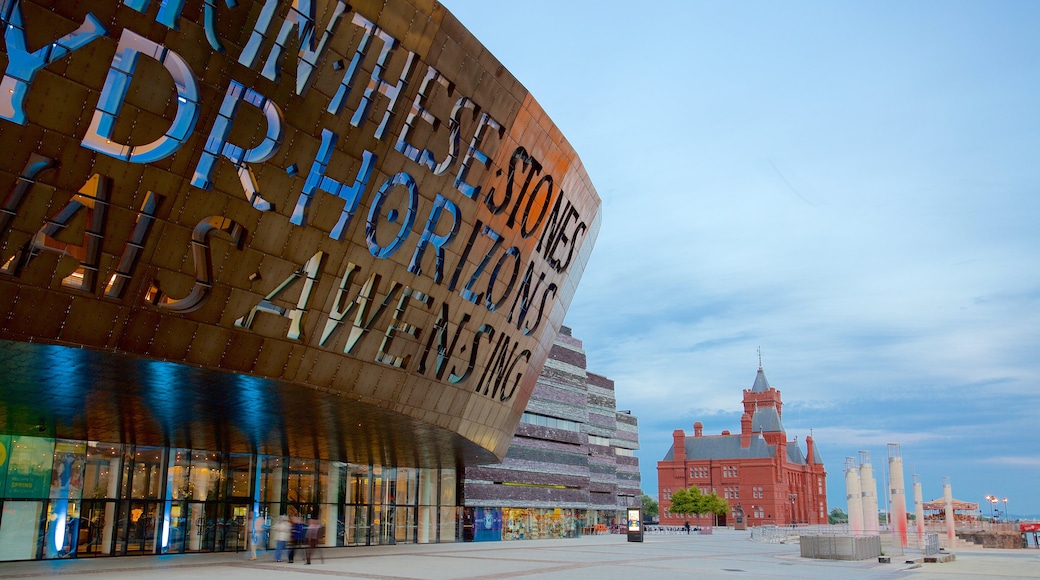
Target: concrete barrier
x,y
840,547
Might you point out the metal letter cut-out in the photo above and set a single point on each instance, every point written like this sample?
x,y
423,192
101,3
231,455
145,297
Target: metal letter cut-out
x,y
475,152
377,204
302,16
23,65
124,270
170,12
203,259
309,272
217,144
99,134
37,164
93,197
376,82
419,111
438,241
316,179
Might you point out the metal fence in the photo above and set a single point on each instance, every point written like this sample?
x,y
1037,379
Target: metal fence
x,y
931,544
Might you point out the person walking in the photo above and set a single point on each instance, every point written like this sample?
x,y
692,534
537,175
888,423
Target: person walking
x,y
312,538
256,533
282,532
298,533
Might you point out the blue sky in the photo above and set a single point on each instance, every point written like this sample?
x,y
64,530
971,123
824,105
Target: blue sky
x,y
852,186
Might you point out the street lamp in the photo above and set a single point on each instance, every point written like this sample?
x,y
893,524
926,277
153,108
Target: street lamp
x,y
793,497
1006,519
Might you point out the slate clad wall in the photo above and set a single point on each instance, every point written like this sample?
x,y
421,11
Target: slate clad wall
x,y
558,467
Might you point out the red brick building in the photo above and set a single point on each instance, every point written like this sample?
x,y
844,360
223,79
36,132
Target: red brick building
x,y
759,472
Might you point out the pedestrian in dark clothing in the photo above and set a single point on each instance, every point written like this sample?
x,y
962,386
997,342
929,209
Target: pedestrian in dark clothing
x,y
297,537
312,539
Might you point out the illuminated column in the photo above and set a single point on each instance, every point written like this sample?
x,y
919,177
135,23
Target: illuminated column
x,y
200,478
948,502
919,511
897,492
331,505
426,532
274,493
854,497
869,489
115,475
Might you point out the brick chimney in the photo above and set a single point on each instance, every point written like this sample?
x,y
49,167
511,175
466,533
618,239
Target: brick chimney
x,y
698,429
679,445
745,431
809,455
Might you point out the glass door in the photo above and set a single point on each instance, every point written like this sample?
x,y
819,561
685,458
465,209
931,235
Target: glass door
x,y
91,535
357,509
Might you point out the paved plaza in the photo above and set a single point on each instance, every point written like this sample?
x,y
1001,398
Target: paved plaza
x,y
724,554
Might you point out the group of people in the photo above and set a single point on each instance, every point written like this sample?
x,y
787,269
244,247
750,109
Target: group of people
x,y
290,534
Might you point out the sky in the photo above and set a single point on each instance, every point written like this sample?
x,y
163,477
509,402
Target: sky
x,y
851,186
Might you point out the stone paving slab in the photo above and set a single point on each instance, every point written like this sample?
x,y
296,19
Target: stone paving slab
x,y
724,554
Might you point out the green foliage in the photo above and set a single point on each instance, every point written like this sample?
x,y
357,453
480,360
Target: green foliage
x,y
715,504
692,501
686,501
838,517
649,506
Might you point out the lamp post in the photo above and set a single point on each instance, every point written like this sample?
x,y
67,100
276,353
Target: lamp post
x,y
1006,518
793,497
990,499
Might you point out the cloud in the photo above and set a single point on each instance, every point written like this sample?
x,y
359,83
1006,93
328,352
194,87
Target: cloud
x,y
865,212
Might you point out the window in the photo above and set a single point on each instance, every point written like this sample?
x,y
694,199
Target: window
x,y
552,422
699,472
756,492
729,471
597,440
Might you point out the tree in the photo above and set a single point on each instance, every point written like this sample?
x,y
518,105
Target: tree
x,y
714,504
838,517
649,507
686,501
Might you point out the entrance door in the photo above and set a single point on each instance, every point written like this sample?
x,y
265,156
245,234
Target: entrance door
x,y
135,533
91,528
357,532
232,530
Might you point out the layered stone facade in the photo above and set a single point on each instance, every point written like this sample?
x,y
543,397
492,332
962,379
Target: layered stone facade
x,y
572,451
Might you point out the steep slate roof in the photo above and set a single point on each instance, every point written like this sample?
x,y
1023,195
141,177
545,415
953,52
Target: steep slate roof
x,y
761,384
766,419
794,455
816,453
723,447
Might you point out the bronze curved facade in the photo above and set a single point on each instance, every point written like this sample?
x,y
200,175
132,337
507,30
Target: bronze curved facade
x,y
310,229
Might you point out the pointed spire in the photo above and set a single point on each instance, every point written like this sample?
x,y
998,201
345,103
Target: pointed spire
x,y
761,384
760,358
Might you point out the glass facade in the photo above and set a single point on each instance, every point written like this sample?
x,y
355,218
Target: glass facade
x,y
62,499
492,524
